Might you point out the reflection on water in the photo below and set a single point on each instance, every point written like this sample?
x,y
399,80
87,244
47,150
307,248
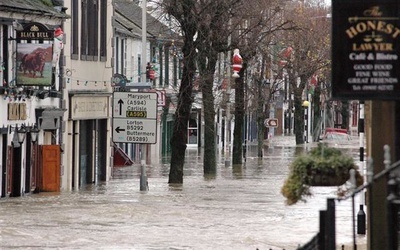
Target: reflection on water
x,y
239,208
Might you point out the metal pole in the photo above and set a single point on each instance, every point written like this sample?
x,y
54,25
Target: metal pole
x,y
361,214
143,177
228,109
305,124
309,118
330,223
353,187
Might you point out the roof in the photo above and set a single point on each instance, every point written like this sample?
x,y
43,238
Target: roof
x,y
33,7
129,10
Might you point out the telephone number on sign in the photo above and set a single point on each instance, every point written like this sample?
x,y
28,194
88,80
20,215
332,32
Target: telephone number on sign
x,y
137,139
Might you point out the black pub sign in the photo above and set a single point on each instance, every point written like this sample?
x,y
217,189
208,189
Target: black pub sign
x,y
365,49
35,31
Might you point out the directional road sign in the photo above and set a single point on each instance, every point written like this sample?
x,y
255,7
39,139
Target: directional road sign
x,y
135,105
271,122
135,130
135,117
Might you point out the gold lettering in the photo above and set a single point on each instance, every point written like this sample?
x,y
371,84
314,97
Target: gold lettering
x,y
373,46
373,25
42,35
27,34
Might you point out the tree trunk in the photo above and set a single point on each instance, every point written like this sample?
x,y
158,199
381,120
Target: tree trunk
x,y
209,157
182,114
298,117
298,106
317,118
237,149
345,114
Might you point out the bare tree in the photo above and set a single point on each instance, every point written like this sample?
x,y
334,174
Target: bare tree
x,y
310,43
255,35
185,14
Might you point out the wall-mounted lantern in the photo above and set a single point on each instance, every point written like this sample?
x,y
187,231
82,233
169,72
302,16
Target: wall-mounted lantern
x,y
34,133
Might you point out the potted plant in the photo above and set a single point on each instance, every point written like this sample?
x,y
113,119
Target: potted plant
x,y
322,166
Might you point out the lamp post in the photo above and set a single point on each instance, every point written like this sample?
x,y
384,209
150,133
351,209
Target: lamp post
x,y
31,159
306,105
143,150
19,137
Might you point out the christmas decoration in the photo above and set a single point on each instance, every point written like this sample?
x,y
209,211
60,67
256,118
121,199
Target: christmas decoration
x,y
237,63
57,46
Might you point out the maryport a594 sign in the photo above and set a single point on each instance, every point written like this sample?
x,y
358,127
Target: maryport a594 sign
x,y
365,49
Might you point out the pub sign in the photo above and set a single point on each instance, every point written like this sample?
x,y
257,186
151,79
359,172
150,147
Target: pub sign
x,y
365,49
34,55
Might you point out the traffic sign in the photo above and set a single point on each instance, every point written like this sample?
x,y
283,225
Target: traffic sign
x,y
135,117
135,105
135,130
271,122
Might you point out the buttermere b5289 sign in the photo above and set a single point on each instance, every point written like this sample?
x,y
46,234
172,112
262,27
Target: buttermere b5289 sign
x,y
365,49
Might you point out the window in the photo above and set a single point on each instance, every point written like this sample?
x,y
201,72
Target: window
x,y
74,31
103,30
92,15
140,68
166,54
89,30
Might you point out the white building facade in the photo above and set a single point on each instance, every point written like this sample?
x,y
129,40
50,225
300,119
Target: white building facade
x,y
87,90
30,98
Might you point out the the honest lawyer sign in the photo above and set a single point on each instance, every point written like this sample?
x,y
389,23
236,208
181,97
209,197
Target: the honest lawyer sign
x,y
365,49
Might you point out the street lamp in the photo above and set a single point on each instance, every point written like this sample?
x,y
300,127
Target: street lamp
x,y
34,133
21,132
19,135
306,105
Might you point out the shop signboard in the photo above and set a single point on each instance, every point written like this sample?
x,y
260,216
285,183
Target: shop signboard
x,y
365,49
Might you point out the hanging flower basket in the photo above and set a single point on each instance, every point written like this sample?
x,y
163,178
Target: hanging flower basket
x,y
322,166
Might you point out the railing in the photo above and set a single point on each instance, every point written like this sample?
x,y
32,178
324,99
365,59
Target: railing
x,y
325,239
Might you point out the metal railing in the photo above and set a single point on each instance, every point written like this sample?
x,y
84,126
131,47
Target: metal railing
x,y
325,239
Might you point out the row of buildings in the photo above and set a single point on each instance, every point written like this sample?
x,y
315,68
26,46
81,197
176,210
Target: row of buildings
x,y
61,62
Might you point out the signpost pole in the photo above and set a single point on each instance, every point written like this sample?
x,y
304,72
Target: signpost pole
x,y
143,153
143,177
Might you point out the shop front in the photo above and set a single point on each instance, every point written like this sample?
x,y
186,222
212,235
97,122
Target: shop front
x,y
88,143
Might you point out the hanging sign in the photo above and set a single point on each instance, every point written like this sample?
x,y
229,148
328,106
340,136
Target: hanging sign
x,y
34,55
365,49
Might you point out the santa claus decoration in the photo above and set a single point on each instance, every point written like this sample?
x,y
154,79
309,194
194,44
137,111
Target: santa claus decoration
x,y
236,63
57,46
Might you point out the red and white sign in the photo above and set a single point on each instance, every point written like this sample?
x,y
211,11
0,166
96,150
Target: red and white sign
x,y
271,122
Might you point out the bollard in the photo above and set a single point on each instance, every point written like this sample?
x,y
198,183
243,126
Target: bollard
x,y
361,221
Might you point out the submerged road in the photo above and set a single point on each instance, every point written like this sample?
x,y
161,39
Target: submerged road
x,y
240,208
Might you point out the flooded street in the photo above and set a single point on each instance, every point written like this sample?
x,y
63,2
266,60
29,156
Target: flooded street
x,y
241,208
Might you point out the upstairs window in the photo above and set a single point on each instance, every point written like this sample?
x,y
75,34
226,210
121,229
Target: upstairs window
x,y
90,30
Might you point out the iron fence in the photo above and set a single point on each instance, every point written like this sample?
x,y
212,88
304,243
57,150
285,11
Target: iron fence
x,y
325,239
